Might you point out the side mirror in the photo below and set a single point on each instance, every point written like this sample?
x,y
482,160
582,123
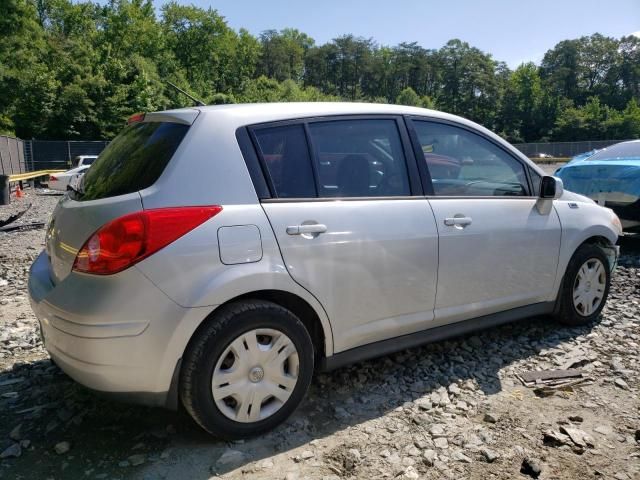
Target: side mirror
x,y
551,188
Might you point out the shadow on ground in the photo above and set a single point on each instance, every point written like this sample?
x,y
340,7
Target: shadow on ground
x,y
108,437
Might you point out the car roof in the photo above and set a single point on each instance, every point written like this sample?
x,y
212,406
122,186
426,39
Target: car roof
x,y
238,115
265,112
629,149
250,113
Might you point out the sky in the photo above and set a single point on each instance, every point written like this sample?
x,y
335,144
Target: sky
x,y
514,31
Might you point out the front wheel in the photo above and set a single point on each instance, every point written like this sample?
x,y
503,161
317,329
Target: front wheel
x,y
585,287
247,369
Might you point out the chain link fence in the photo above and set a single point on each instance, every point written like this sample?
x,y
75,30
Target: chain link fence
x,y
12,159
563,149
58,154
18,156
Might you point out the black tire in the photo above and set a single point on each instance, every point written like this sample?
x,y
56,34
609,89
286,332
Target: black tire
x,y
211,341
567,313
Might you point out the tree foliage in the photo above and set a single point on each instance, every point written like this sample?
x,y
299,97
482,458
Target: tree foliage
x,y
78,69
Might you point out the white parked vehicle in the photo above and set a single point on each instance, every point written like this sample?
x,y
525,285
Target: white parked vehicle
x,y
61,181
81,160
76,178
219,255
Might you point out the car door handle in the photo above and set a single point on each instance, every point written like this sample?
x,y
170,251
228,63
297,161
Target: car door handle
x,y
302,229
457,221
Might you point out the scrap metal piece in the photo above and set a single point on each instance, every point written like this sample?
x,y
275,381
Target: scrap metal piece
x,y
530,379
14,217
24,226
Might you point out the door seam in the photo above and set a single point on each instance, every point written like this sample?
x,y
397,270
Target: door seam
x,y
275,236
435,221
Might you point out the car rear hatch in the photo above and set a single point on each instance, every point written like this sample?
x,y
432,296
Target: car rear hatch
x,y
133,161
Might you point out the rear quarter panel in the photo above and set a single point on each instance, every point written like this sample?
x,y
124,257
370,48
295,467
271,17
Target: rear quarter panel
x,y
191,273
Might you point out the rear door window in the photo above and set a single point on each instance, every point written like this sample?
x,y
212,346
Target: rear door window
x,y
359,158
133,161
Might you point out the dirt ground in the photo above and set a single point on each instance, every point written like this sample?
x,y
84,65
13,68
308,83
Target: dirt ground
x,y
453,409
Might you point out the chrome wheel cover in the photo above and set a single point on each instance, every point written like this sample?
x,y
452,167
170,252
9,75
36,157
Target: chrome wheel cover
x,y
255,375
589,287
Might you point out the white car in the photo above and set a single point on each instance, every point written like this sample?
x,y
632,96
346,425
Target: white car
x,y
76,178
82,160
313,235
61,181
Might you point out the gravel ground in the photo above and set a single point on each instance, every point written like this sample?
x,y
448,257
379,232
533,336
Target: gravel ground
x,y
453,409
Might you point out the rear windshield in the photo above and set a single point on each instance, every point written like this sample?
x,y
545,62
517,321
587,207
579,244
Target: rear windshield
x,y
133,160
619,151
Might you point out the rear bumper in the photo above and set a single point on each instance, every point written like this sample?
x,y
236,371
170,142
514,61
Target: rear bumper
x,y
118,334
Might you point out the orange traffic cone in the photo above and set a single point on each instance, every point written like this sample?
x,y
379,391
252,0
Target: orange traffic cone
x,y
19,192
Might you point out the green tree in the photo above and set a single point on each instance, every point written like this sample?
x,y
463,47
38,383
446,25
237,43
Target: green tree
x,y
283,52
82,67
469,84
625,124
409,97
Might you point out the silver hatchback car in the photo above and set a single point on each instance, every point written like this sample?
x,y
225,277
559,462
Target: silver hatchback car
x,y
217,256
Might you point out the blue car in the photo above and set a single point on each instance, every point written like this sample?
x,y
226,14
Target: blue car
x,y
611,177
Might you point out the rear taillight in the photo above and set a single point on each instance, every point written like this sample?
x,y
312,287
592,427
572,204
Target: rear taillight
x,y
53,178
129,239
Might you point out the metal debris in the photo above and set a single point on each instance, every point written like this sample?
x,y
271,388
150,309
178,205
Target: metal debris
x,y
14,217
549,377
25,226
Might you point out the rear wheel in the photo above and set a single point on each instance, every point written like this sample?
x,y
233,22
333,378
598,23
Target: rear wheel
x,y
585,287
247,370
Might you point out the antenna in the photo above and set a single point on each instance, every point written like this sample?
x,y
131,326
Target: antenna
x,y
199,103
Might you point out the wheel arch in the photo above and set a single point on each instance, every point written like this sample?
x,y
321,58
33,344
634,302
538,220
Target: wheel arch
x,y
606,244
317,326
299,307
320,336
601,238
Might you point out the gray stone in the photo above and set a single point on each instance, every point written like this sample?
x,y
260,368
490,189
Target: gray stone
x,y
531,467
137,459
489,455
12,451
62,447
16,433
410,473
441,442
424,403
408,461
230,456
461,457
603,430
430,456
618,382
491,417
577,436
354,453
454,389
